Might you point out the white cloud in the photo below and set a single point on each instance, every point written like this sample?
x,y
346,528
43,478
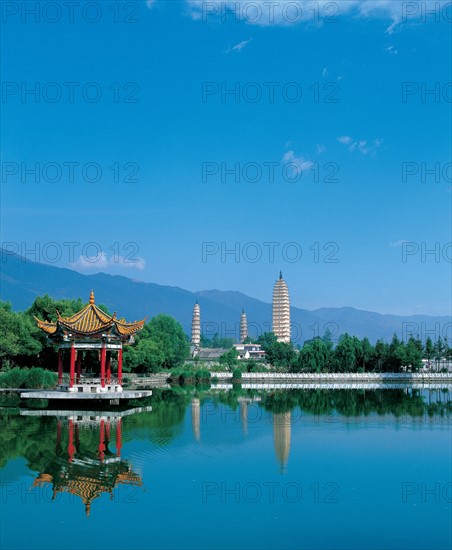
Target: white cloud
x,y
391,50
102,262
317,12
320,148
150,3
324,72
344,139
297,164
361,145
239,47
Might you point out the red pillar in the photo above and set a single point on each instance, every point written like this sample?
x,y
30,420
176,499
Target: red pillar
x,y
108,366
108,431
70,447
103,355
79,365
120,367
60,366
118,437
101,447
72,369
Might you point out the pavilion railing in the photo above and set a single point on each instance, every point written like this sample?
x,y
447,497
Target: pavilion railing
x,y
89,380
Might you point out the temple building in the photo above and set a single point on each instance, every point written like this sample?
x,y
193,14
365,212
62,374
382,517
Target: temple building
x,y
196,327
243,327
91,329
281,311
249,351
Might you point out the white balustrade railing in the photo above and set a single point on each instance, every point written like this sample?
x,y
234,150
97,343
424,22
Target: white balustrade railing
x,y
379,376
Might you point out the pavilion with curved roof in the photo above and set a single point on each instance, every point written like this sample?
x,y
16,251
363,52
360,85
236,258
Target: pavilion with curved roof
x,y
90,329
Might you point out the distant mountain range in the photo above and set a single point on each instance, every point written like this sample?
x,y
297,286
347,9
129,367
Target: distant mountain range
x,y
22,280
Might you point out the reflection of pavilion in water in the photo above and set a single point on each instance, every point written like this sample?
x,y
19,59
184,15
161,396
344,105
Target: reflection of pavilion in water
x,y
88,473
281,427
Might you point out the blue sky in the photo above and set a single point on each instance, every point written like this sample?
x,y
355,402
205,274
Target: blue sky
x,y
339,111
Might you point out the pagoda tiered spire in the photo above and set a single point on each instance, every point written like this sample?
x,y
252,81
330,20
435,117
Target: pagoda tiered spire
x,y
281,310
196,326
243,327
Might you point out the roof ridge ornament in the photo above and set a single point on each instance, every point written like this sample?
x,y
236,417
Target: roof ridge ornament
x,y
91,297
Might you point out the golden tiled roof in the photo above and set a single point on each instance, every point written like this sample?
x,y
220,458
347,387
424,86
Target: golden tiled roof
x,y
50,328
88,487
90,321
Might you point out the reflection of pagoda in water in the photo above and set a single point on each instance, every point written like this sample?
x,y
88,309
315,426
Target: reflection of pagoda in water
x,y
196,418
281,437
88,472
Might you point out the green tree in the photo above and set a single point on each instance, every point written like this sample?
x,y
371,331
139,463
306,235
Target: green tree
x,y
428,350
145,356
379,360
315,356
230,358
19,342
367,351
396,355
438,351
170,349
345,354
266,340
327,339
45,308
413,355
216,342
280,354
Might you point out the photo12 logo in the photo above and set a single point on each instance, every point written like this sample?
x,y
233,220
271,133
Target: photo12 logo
x,y
284,12
76,254
211,329
254,252
69,92
424,331
269,92
423,172
426,493
428,11
69,172
40,493
427,252
69,11
269,172
272,492
426,92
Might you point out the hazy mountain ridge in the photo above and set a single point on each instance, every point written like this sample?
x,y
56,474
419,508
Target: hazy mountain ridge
x,y
22,280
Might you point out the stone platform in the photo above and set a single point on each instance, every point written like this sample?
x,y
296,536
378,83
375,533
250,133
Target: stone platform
x,y
82,396
86,416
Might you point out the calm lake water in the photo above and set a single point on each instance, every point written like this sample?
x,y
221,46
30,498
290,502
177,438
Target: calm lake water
x,y
300,469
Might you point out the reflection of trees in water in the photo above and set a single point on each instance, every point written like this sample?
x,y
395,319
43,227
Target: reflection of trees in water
x,y
165,421
359,402
33,437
